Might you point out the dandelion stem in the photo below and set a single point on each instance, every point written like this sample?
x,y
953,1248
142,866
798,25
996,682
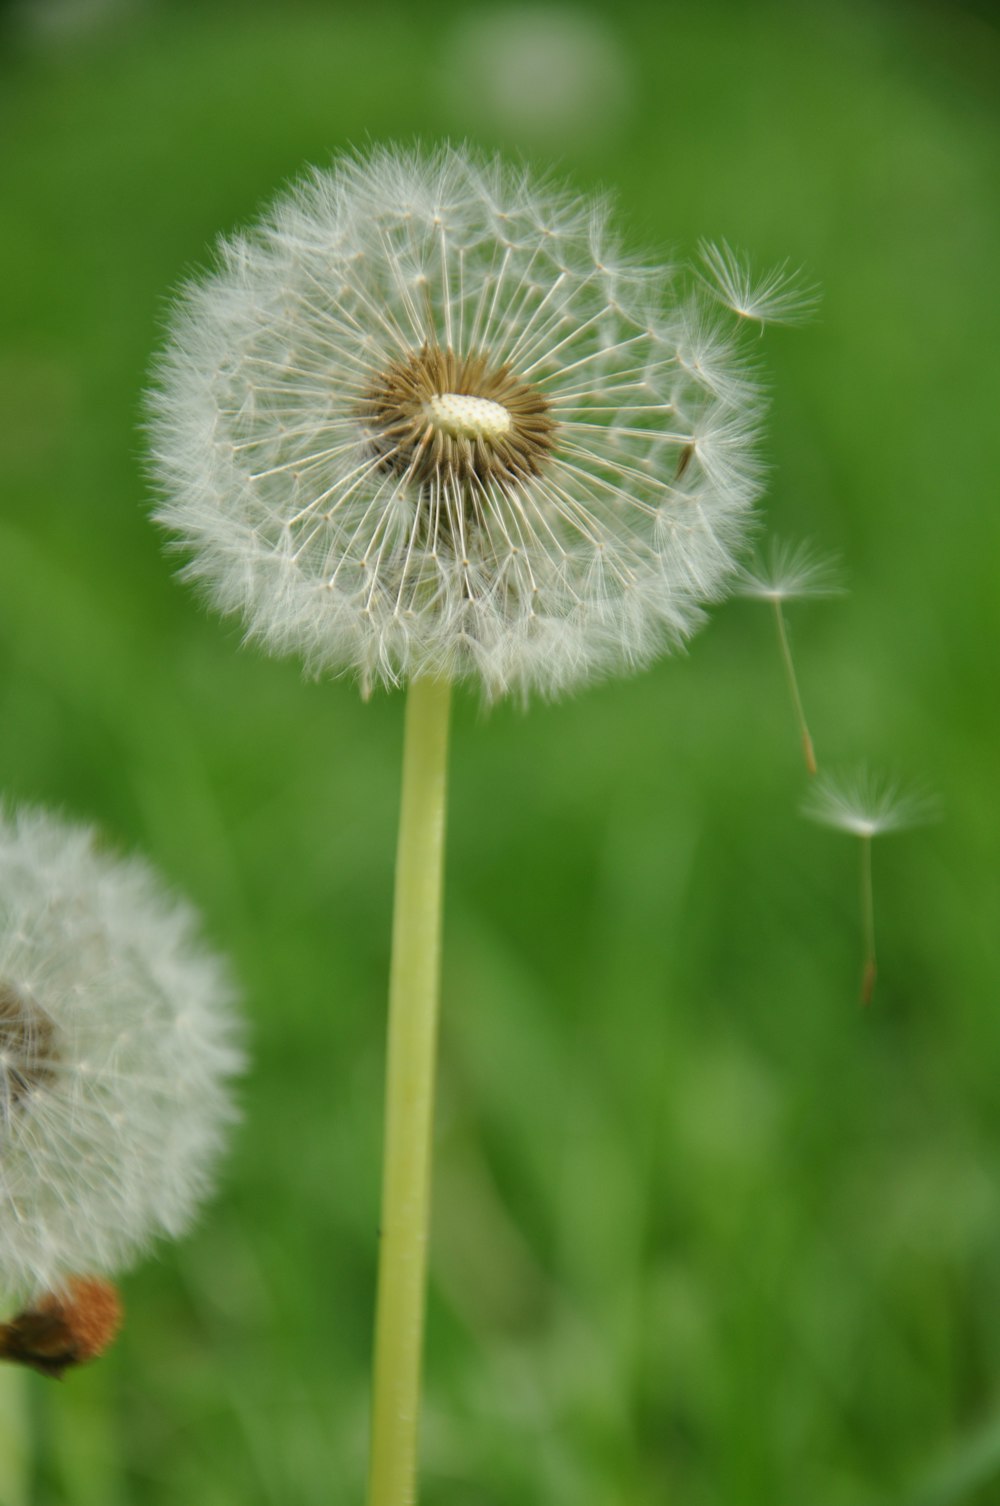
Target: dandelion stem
x,y
15,1437
409,1112
793,685
869,968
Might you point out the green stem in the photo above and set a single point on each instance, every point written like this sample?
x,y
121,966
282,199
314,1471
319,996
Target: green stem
x,y
15,1437
409,1110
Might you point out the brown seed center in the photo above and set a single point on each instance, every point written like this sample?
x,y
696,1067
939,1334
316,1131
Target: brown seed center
x,y
460,420
27,1047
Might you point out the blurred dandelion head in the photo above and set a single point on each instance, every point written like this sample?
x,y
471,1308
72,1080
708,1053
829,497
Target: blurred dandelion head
x,y
429,419
116,1040
27,1047
550,74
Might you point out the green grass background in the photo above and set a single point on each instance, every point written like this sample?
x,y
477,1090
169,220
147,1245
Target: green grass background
x,y
705,1231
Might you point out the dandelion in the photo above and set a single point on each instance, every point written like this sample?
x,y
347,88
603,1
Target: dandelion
x,y
428,422
116,1040
776,297
790,572
867,806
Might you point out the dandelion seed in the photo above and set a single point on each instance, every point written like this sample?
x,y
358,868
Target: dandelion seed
x,y
116,1040
775,297
789,572
429,419
867,806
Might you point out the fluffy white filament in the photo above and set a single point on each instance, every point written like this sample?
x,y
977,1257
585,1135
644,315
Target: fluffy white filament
x,y
866,804
116,1039
296,514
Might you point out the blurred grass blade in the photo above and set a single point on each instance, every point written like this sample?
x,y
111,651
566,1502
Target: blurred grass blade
x,y
973,1464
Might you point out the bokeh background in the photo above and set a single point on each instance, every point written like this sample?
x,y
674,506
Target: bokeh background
x,y
705,1230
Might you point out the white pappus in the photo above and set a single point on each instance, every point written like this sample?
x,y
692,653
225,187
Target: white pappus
x,y
427,418
118,1033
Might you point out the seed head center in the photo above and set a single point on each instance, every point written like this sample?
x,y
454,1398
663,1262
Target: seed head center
x,y
467,421
27,1047
463,416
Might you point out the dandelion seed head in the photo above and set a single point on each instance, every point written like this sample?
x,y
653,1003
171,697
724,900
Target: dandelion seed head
x,y
116,1043
778,296
866,804
788,572
430,419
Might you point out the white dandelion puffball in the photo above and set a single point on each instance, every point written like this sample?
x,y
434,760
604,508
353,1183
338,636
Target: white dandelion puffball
x,y
117,1035
428,419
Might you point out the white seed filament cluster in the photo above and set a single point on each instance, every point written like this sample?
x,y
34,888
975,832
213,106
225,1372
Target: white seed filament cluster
x,y
429,419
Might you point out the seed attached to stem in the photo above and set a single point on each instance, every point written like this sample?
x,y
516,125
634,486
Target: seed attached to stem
x,y
866,806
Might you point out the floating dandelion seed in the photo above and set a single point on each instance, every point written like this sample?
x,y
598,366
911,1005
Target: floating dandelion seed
x,y
774,297
867,806
790,572
116,1038
428,419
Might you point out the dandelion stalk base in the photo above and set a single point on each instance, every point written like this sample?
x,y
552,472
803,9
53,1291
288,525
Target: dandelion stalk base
x,y
15,1438
409,1113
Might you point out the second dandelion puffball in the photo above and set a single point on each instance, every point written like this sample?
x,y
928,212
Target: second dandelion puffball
x,y
117,1040
428,418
